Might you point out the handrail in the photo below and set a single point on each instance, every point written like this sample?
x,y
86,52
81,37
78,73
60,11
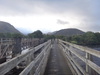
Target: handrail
x,y
68,50
38,69
7,66
85,49
18,44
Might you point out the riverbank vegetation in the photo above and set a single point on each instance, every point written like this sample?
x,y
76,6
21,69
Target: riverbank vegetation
x,y
88,38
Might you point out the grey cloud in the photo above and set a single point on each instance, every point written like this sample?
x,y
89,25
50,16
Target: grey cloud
x,y
78,6
94,27
87,8
62,22
53,6
17,7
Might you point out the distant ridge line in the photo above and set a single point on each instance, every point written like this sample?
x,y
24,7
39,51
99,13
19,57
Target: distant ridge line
x,y
68,32
6,27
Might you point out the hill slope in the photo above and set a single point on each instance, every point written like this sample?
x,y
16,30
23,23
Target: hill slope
x,y
7,28
69,32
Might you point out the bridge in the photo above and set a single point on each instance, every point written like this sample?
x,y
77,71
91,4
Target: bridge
x,y
53,57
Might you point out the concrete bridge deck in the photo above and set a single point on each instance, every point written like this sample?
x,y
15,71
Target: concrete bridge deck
x,y
57,65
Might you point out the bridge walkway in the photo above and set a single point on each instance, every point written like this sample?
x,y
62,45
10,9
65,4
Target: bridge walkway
x,y
57,65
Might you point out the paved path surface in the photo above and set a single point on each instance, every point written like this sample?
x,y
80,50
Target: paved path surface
x,y
56,64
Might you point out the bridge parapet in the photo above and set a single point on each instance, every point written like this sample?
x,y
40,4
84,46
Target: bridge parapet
x,y
10,47
80,58
34,65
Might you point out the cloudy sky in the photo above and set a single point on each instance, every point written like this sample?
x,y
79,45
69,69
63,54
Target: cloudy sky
x,y
51,15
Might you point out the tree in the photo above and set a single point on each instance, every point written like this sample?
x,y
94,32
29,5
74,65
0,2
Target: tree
x,y
2,35
78,39
36,34
89,38
61,37
17,35
47,37
97,37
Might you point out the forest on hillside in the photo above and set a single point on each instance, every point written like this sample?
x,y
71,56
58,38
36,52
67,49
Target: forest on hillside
x,y
88,38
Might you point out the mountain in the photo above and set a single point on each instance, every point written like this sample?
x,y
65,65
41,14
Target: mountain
x,y
68,32
7,28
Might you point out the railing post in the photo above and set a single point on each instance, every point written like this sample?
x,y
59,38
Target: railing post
x,y
70,48
17,46
0,46
88,57
87,67
30,59
32,70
